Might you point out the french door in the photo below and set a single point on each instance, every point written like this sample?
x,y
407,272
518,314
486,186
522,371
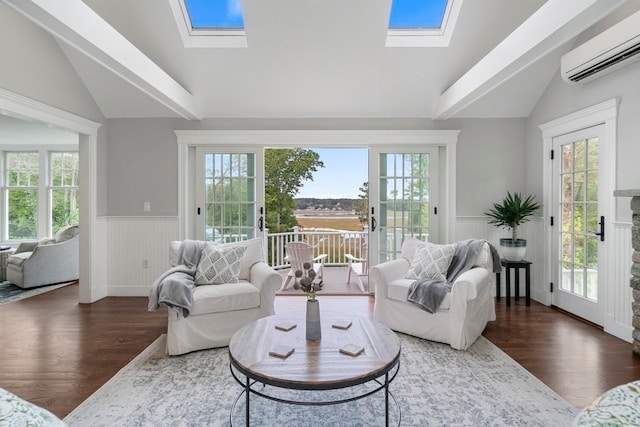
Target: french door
x,y
229,193
403,191
579,236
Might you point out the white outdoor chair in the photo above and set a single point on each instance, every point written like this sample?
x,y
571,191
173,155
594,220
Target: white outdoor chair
x,y
358,266
297,254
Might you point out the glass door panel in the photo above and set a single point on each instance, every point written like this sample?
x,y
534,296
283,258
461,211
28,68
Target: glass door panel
x,y
226,195
576,178
406,199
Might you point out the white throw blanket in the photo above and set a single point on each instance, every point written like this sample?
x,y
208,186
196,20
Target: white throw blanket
x,y
174,288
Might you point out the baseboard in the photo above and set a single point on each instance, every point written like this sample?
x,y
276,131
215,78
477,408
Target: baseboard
x,y
128,291
618,330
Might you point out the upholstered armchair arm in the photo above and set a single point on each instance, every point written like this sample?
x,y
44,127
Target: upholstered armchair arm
x,y
268,281
470,284
26,247
386,272
54,254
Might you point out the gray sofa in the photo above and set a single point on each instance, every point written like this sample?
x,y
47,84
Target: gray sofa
x,y
47,261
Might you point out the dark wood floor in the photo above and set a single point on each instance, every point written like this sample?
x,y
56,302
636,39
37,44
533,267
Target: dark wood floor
x,y
55,352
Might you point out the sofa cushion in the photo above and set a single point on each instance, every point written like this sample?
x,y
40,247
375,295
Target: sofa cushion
x,y
222,298
431,262
219,264
409,247
253,254
484,257
66,233
18,259
399,289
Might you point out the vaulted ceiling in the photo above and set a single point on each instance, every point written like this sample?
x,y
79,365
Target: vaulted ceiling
x,y
316,59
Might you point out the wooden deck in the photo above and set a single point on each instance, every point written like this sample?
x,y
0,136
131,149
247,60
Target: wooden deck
x,y
334,282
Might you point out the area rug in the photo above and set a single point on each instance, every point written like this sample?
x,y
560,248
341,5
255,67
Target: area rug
x,y
435,386
11,293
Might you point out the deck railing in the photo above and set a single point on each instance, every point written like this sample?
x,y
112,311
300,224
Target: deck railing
x,y
333,243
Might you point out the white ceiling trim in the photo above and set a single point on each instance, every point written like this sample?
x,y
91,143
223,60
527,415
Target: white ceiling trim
x,y
556,22
79,26
317,138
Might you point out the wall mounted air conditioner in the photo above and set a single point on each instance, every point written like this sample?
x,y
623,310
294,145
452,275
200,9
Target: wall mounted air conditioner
x,y
612,49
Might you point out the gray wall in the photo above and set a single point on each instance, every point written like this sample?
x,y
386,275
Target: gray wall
x,y
142,157
561,98
34,66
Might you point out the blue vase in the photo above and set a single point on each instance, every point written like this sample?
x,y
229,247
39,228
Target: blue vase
x,y
314,331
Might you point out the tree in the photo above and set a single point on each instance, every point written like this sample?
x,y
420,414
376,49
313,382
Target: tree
x,y
285,171
361,206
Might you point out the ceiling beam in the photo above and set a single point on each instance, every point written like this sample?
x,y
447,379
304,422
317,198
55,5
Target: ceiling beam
x,y
556,22
78,25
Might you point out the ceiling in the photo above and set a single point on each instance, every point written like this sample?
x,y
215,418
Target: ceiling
x,y
327,59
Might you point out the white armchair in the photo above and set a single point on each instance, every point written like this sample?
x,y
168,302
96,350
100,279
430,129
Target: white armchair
x,y
218,311
45,262
461,317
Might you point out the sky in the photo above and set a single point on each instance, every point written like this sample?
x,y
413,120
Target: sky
x,y
344,172
228,13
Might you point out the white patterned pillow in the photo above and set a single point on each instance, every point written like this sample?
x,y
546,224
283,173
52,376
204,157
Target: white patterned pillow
x,y
431,262
219,265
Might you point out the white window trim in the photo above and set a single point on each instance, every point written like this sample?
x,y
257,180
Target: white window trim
x,y
440,37
187,140
605,113
44,185
196,38
93,280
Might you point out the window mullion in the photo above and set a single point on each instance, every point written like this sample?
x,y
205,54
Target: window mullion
x,y
44,206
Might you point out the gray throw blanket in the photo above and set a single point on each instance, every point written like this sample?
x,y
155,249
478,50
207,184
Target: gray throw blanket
x,y
174,288
428,294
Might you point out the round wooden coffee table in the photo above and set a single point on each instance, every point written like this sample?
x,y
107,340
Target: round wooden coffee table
x,y
314,365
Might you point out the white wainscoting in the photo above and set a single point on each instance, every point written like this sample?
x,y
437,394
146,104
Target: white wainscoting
x,y
130,241
618,293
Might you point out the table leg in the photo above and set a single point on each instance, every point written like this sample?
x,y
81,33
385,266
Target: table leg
x,y
498,282
508,286
527,285
517,284
247,392
386,399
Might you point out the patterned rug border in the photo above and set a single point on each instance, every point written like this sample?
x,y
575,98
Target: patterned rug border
x,y
505,414
27,293
150,350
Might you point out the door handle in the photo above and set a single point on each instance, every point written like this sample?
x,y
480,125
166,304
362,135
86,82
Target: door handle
x,y
261,220
374,223
601,233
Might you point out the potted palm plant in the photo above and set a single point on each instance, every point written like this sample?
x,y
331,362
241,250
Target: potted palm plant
x,y
513,211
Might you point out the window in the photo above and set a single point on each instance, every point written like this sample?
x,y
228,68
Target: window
x,y
417,14
209,23
37,207
22,195
422,23
65,205
211,14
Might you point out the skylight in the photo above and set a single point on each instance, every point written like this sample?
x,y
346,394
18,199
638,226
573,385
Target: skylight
x,y
422,23
417,14
215,14
209,23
